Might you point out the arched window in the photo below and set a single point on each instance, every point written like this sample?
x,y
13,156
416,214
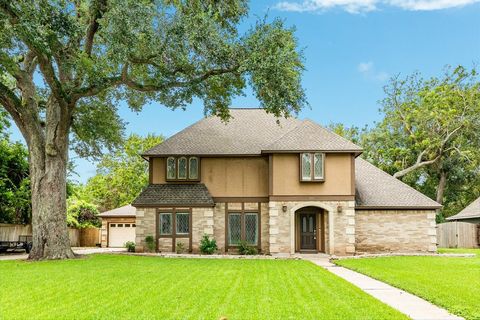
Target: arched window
x,y
171,168
182,168
193,168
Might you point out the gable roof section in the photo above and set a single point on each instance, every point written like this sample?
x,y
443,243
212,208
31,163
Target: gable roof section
x,y
309,136
195,195
249,132
470,212
125,211
377,189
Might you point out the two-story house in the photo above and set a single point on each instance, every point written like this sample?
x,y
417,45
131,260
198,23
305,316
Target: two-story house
x,y
283,185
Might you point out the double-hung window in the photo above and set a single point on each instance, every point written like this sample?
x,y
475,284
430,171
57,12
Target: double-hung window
x,y
312,166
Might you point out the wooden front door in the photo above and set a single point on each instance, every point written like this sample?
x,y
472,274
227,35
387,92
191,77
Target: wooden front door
x,y
308,231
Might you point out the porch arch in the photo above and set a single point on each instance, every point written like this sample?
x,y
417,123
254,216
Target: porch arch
x,y
330,210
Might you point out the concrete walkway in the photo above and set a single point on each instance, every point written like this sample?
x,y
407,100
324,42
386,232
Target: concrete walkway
x,y
409,304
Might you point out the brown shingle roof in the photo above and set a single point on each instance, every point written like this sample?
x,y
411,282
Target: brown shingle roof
x,y
196,195
248,133
470,212
125,211
377,189
309,135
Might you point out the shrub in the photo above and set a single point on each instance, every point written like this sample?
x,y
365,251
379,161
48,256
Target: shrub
x,y
180,248
130,245
150,243
82,214
207,245
245,249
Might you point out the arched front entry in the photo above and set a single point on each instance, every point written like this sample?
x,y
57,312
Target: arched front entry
x,y
310,229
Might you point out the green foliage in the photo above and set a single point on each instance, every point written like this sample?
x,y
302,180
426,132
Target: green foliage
x,y
121,175
168,52
207,245
180,248
245,249
130,245
81,214
150,242
15,205
429,136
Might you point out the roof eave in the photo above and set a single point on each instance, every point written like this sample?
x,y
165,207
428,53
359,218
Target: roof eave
x,y
362,207
163,205
453,218
356,152
117,216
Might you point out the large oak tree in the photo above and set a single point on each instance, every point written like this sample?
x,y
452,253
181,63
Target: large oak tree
x,y
64,66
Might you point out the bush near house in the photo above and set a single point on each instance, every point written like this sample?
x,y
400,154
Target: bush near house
x,y
207,245
81,214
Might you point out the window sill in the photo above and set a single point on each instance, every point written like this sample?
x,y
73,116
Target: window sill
x,y
313,181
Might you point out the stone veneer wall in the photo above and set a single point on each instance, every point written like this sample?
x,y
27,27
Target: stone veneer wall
x,y
282,235
210,221
395,231
145,226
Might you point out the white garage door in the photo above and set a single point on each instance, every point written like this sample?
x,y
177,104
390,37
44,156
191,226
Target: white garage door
x,y
119,233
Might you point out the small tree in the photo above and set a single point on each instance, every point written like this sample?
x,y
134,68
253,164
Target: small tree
x,y
81,214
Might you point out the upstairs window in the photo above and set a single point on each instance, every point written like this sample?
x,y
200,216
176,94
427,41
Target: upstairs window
x,y
312,166
182,168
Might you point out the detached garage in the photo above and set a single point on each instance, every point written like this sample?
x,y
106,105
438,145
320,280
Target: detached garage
x,y
118,226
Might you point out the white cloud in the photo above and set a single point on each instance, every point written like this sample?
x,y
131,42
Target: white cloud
x,y
362,6
352,6
370,72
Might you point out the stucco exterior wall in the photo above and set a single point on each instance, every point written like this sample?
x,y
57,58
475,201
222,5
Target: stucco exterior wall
x,y
339,169
395,231
226,176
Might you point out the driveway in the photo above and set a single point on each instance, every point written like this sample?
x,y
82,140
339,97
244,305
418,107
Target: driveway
x,y
77,250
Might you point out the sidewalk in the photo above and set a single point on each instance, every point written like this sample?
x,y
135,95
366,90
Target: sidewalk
x,y
409,304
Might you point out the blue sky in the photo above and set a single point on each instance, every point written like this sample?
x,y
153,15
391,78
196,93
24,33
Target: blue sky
x,y
351,48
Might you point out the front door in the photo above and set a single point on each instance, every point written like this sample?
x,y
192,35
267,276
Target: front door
x,y
308,231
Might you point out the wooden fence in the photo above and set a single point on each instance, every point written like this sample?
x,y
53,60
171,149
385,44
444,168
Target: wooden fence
x,y
10,232
88,237
457,234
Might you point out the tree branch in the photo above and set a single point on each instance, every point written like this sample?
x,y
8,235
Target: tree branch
x,y
418,164
98,9
124,79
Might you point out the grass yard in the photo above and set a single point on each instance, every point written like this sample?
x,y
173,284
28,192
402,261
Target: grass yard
x,y
133,287
453,283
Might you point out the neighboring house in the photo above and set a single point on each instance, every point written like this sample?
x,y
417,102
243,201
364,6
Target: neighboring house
x,y
470,214
282,185
118,226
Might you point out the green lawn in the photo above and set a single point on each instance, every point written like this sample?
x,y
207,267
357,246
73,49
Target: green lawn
x,y
453,283
133,287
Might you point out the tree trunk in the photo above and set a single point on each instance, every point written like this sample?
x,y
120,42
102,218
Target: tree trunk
x,y
48,156
442,184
